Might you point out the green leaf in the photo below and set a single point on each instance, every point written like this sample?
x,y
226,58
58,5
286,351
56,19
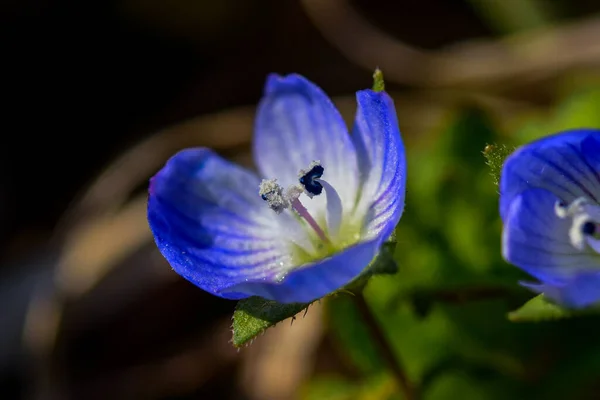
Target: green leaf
x,y
252,316
540,309
495,156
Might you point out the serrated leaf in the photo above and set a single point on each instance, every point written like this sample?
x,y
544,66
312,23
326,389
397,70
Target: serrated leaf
x,y
540,309
252,316
495,155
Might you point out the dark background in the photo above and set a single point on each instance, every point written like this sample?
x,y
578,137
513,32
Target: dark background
x,y
82,81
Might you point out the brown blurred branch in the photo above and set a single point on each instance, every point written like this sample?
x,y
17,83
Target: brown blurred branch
x,y
523,57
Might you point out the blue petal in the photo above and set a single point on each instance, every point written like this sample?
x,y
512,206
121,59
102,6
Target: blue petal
x,y
297,123
211,225
537,240
590,147
316,280
582,290
381,161
558,163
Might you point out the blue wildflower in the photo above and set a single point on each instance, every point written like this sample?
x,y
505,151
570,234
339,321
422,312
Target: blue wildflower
x,y
326,202
550,205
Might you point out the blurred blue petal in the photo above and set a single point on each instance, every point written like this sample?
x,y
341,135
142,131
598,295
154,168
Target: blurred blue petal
x,y
580,291
590,147
537,240
556,163
381,161
549,202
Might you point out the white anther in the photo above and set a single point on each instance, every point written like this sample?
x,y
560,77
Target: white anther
x,y
272,193
570,210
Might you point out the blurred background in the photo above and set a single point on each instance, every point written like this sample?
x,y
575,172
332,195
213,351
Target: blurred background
x,y
98,94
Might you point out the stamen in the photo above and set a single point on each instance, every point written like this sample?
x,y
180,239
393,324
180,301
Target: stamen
x,y
309,179
272,193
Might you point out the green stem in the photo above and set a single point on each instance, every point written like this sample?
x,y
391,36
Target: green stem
x,y
384,347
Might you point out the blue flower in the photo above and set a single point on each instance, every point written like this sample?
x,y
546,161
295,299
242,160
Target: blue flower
x,y
326,202
550,205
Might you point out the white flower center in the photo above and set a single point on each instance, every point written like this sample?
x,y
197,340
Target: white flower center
x,y
585,222
328,232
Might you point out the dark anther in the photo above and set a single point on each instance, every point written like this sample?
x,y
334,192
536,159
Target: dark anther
x,y
308,180
589,228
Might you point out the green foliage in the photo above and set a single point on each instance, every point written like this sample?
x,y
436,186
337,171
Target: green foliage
x,y
542,309
445,312
329,388
376,387
349,330
578,110
539,309
254,315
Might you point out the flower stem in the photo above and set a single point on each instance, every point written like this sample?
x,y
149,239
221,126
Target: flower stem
x,y
387,353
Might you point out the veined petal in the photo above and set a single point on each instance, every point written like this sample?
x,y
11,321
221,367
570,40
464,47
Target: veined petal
x,y
537,240
313,281
590,147
381,161
297,124
210,224
580,291
559,163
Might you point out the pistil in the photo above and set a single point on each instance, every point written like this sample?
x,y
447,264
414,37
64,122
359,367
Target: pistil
x,y
309,184
303,212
